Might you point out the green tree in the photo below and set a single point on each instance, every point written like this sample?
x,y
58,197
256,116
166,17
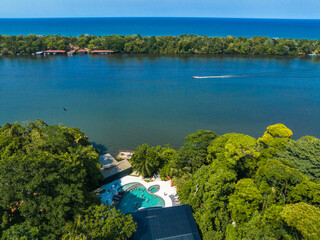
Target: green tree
x,y
104,222
303,217
74,230
245,200
237,151
304,154
207,193
146,160
194,152
47,174
22,231
43,189
276,136
280,177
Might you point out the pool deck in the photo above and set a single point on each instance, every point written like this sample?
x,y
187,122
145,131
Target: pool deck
x,y
164,192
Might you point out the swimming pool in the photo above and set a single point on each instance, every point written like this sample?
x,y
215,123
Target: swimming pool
x,y
154,188
136,197
127,186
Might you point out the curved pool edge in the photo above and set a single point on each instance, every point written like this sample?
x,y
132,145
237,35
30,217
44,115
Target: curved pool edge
x,y
155,186
164,192
160,202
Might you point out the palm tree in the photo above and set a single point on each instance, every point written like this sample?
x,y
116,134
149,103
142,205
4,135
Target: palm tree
x,y
145,160
74,230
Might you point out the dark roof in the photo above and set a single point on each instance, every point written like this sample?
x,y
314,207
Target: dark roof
x,y
112,170
174,223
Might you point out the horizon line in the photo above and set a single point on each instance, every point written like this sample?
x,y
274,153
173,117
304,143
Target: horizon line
x,y
164,17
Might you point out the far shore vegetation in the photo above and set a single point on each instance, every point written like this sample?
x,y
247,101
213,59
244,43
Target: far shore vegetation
x,y
184,44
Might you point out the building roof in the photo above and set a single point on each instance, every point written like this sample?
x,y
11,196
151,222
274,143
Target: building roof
x,y
111,169
106,160
55,51
83,50
174,223
102,51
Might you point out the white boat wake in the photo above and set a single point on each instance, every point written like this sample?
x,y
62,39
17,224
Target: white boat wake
x,y
221,76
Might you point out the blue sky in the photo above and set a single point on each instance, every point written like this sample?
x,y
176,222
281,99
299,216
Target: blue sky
x,y
308,9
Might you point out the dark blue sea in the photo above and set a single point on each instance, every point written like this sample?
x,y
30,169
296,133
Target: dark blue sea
x,y
281,28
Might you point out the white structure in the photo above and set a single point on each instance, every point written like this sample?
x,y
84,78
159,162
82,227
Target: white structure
x,y
124,154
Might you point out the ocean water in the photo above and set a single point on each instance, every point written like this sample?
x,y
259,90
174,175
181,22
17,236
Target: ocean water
x,y
281,28
123,101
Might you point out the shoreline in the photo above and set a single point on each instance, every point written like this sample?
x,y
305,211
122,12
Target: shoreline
x,y
185,55
137,44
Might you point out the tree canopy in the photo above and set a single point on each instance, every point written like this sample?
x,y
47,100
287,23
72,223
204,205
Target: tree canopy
x,y
101,222
184,44
303,217
47,174
304,155
146,160
240,187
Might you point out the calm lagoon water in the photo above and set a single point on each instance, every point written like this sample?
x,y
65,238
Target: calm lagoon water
x,y
281,28
122,101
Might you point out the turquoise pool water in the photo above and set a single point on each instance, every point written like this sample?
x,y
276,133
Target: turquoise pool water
x,y
138,197
127,186
154,188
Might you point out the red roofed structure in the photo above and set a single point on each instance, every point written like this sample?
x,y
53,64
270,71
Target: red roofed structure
x,y
83,50
72,52
55,51
102,51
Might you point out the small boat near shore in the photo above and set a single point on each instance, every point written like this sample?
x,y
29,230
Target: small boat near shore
x,y
221,76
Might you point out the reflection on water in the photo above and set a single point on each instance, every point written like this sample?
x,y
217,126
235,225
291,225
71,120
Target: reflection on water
x,y
122,101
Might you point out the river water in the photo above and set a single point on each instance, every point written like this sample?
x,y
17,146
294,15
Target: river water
x,y
121,101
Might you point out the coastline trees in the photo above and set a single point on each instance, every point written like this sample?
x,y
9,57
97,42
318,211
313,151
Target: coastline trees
x,y
190,157
248,188
184,44
238,187
47,174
